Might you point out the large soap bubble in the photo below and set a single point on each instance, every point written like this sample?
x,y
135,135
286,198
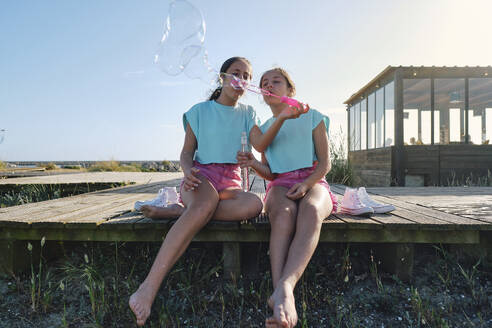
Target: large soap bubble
x,y
200,68
184,34
2,135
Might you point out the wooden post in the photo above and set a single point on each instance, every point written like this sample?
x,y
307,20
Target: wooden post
x,y
231,252
15,257
433,132
399,162
250,259
397,259
467,109
486,244
474,252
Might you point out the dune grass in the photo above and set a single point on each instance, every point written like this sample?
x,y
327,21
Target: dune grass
x,y
341,171
113,166
343,286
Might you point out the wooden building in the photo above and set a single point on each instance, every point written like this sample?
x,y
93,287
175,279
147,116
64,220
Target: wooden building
x,y
422,126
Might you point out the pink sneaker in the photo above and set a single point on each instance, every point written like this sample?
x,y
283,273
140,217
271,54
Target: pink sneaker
x,y
351,204
377,207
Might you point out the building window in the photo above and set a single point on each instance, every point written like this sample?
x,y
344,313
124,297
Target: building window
x,y
449,109
371,121
363,124
389,114
380,118
416,111
352,127
357,127
480,111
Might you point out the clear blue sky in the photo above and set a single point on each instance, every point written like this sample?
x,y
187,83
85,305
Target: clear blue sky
x,y
77,80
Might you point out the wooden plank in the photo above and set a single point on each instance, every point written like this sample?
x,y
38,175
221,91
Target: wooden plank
x,y
125,221
87,213
394,221
358,222
106,177
400,236
261,234
102,212
421,214
443,216
25,211
406,215
91,203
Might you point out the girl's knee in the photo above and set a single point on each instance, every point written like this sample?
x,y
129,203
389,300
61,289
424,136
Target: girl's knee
x,y
315,210
283,218
203,209
282,210
254,206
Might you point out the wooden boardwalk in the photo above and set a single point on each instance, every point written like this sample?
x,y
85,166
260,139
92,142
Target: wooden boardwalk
x,y
423,215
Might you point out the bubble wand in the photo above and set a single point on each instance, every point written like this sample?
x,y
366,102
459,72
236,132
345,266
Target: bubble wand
x,y
240,84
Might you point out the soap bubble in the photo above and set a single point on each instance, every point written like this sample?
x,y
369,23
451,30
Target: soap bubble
x,y
2,135
184,34
199,68
237,83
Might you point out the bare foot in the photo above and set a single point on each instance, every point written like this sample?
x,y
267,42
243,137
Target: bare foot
x,y
284,307
141,303
170,212
271,322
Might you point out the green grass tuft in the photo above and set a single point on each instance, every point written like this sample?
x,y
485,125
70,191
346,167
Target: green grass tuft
x,y
341,171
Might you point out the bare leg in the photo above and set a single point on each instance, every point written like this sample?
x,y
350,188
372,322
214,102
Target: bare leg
x,y
282,214
200,206
313,208
170,212
237,205
234,205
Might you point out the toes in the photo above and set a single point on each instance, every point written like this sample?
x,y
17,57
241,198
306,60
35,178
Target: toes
x,y
141,318
271,323
283,319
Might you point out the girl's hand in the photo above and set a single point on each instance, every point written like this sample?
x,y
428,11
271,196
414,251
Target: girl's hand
x,y
245,159
291,112
191,181
297,191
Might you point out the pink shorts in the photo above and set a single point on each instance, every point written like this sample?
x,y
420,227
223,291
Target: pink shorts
x,y
288,179
221,176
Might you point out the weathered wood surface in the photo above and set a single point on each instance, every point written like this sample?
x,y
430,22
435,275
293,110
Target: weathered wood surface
x,y
423,215
52,177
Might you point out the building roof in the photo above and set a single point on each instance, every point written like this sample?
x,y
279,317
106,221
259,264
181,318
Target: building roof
x,y
454,71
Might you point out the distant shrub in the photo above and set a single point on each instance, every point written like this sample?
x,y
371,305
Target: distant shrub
x,y
113,166
168,166
72,167
3,165
49,166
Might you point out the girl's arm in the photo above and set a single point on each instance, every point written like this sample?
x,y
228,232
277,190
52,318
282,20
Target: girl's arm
x,y
191,181
260,141
247,159
263,168
324,163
